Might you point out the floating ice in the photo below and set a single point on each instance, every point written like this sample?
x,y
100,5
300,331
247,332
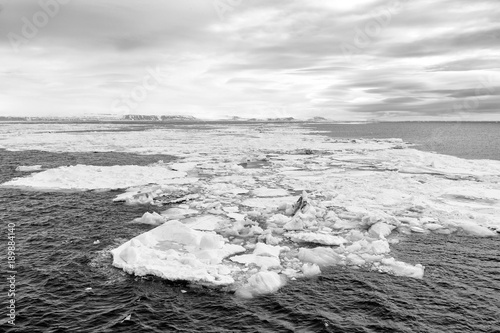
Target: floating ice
x,y
260,284
269,192
381,230
473,228
261,261
150,218
174,251
206,222
311,270
321,256
186,166
318,238
399,268
267,202
178,213
87,177
28,168
246,229
262,249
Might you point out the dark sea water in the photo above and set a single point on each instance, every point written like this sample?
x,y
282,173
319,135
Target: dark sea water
x,y
57,261
472,140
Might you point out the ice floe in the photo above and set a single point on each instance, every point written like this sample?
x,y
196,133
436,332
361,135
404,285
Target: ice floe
x,y
150,218
318,238
261,283
29,168
316,202
174,251
87,177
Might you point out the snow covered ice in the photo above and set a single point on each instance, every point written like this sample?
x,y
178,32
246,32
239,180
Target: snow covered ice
x,y
252,228
86,177
29,168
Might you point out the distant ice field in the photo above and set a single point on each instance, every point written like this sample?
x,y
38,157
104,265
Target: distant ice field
x,y
224,211
356,194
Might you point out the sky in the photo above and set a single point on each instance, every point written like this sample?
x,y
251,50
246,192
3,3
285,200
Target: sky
x,y
357,60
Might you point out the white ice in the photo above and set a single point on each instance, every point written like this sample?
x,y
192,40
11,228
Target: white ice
x,y
174,251
86,177
28,168
227,225
150,218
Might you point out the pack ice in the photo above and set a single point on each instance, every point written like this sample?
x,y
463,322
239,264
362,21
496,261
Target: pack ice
x,y
308,202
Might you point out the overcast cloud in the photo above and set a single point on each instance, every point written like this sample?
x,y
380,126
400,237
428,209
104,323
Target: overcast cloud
x,y
344,60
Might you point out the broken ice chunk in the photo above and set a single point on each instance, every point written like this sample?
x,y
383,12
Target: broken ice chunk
x,y
321,256
261,283
206,222
150,218
310,270
28,168
264,255
89,177
174,251
262,261
279,219
269,192
380,230
262,249
177,213
399,268
317,238
271,203
294,224
472,228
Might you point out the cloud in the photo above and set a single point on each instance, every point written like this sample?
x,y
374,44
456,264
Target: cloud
x,y
269,58
468,64
464,93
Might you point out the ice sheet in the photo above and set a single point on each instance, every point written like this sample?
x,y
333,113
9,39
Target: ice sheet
x,y
86,177
361,197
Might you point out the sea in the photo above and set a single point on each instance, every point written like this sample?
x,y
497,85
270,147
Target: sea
x,y
64,280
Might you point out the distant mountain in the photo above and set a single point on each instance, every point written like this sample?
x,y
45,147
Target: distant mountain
x,y
2,118
260,120
139,117
317,119
287,119
98,118
56,119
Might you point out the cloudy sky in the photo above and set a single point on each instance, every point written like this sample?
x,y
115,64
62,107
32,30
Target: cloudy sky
x,y
343,60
